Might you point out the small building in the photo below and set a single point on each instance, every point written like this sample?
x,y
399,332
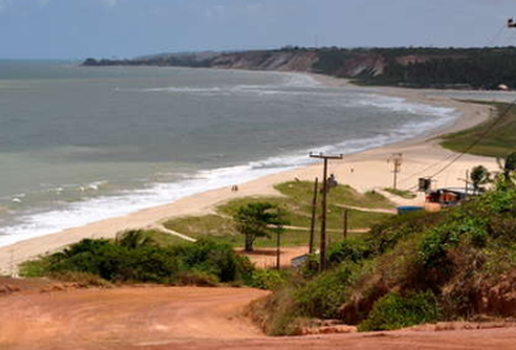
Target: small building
x,y
448,196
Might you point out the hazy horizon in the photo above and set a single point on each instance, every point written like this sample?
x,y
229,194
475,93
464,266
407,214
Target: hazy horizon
x,y
74,30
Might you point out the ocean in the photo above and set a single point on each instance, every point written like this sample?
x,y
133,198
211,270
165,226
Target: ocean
x,y
82,144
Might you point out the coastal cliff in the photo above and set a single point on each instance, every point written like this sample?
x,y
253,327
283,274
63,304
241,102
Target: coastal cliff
x,y
483,68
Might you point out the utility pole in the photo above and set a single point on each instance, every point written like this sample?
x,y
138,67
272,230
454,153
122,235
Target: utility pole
x,y
467,182
322,265
278,250
397,160
314,213
346,223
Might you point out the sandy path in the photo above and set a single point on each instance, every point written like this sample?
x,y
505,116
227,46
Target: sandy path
x,y
116,318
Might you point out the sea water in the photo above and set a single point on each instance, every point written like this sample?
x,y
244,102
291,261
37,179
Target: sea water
x,y
82,144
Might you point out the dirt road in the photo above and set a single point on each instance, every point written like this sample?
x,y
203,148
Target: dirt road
x,y
160,318
123,317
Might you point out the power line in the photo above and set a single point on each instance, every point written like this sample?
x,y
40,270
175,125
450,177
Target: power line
x,y
322,265
477,141
496,36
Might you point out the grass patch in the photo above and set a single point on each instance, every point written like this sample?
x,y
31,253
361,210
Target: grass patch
x,y
401,193
500,142
296,203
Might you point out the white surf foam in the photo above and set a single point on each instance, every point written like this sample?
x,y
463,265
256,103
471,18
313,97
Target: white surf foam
x,y
289,80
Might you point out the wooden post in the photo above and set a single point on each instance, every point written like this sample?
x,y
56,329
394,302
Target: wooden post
x,y
346,223
314,213
397,159
322,264
278,251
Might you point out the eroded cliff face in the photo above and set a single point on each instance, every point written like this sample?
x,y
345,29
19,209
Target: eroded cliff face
x,y
268,60
302,61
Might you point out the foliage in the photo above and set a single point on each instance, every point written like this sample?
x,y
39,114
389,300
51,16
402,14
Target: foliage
x,y
437,242
258,220
323,296
387,234
395,311
134,239
479,176
125,261
197,278
350,250
268,279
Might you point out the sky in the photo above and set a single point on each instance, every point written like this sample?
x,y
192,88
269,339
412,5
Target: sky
x,y
77,29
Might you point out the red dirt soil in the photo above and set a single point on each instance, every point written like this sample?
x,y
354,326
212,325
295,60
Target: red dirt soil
x,y
162,318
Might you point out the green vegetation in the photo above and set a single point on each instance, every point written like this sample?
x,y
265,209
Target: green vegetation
x,y
483,68
422,267
395,311
401,193
258,220
499,142
296,207
479,176
136,257
268,279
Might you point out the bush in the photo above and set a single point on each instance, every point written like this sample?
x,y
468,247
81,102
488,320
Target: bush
x,y
135,260
500,201
349,250
197,278
323,296
394,311
268,279
461,227
83,279
386,235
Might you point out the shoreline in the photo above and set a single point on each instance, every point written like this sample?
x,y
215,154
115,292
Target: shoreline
x,y
366,170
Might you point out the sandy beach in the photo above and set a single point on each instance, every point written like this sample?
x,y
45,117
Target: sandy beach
x,y
368,170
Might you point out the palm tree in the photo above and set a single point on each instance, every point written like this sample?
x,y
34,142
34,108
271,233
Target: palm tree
x,y
134,239
479,176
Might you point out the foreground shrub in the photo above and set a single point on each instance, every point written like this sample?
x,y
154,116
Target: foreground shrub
x,y
132,259
394,311
197,278
278,313
82,279
268,279
323,296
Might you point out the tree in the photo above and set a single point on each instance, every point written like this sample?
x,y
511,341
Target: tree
x,y
479,176
134,239
508,166
258,220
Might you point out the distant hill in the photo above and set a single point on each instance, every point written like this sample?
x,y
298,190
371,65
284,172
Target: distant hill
x,y
475,68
